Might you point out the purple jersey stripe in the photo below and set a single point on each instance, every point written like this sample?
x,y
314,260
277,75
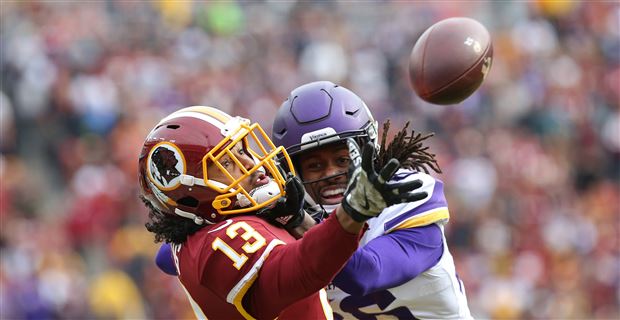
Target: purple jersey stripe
x,y
437,200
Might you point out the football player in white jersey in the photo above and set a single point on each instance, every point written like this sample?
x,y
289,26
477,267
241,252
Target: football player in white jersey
x,y
403,267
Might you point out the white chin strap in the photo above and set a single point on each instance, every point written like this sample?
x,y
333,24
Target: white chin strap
x,y
329,208
259,194
197,220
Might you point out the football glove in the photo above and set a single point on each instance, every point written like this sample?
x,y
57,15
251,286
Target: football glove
x,y
369,192
288,210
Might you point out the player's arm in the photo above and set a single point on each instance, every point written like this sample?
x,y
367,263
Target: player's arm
x,y
391,260
303,267
305,225
413,244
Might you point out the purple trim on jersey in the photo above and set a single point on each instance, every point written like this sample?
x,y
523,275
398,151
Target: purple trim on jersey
x,y
164,260
391,260
437,200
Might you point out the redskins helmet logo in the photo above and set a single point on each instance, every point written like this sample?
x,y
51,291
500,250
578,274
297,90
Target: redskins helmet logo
x,y
165,166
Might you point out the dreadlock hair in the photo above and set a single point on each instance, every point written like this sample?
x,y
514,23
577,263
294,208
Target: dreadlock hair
x,y
168,228
409,150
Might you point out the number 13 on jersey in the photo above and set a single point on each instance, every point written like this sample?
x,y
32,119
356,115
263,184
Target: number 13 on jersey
x,y
254,241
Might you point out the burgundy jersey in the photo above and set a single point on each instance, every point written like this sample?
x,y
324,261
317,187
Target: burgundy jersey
x,y
241,269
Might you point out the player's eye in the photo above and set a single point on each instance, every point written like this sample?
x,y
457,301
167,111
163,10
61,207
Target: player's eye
x,y
226,163
313,166
343,161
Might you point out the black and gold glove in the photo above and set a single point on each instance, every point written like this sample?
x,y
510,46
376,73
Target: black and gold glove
x,y
288,210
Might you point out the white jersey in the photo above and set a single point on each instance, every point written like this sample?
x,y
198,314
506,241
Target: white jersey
x,y
436,293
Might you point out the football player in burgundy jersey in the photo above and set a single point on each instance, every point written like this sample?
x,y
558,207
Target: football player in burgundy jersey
x,y
212,181
403,267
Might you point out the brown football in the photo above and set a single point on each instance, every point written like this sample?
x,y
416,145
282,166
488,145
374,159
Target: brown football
x,y
450,60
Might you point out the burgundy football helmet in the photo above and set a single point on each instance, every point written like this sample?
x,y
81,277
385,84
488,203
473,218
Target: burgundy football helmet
x,y
177,152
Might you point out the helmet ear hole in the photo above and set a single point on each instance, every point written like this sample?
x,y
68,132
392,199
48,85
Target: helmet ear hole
x,y
188,202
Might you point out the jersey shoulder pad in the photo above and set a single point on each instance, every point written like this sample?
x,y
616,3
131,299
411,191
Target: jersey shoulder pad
x,y
432,209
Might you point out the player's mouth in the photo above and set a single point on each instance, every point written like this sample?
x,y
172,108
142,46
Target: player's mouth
x,y
332,194
261,180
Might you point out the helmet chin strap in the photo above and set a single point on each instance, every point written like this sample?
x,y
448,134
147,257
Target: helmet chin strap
x,y
197,219
329,207
260,194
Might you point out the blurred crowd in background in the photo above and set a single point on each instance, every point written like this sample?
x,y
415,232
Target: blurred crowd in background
x,y
531,161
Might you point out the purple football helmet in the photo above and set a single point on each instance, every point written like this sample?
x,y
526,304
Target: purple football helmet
x,y
320,113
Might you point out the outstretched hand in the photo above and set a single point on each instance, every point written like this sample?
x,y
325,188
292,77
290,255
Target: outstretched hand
x,y
369,192
288,210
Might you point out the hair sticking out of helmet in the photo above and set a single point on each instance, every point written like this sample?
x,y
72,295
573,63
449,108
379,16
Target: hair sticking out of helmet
x,y
408,149
185,146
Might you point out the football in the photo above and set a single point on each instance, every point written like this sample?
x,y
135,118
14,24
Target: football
x,y
450,60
